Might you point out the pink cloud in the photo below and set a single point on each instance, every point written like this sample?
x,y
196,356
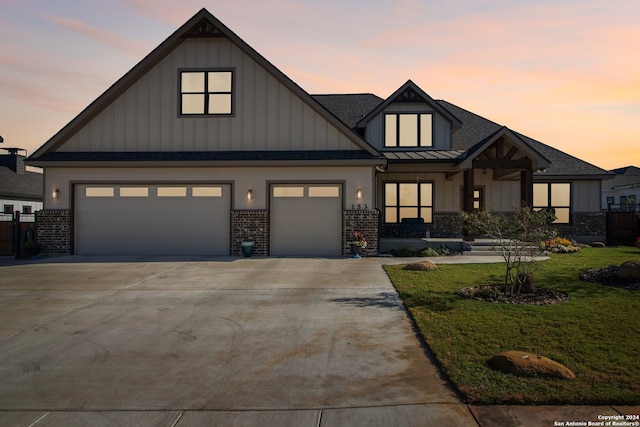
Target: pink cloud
x,y
110,38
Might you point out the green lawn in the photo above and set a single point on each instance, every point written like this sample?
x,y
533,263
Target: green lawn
x,y
596,333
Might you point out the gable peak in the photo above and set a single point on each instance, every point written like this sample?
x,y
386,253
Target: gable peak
x,y
203,28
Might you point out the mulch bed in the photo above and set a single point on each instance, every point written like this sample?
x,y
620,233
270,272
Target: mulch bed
x,y
607,276
496,294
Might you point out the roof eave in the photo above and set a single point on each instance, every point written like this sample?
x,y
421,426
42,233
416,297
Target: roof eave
x,y
376,161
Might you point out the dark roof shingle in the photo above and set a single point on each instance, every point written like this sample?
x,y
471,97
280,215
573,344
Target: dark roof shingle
x,y
26,186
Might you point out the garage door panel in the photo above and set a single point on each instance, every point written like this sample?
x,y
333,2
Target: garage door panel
x,y
305,226
153,225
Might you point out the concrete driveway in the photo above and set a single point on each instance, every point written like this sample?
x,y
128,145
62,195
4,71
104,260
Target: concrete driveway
x,y
180,342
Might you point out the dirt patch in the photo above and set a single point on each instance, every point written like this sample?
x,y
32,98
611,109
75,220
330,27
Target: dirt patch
x,y
496,294
608,276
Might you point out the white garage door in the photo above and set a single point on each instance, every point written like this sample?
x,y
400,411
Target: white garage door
x,y
152,219
306,220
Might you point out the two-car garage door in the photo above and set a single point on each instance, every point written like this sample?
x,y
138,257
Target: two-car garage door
x,y
152,219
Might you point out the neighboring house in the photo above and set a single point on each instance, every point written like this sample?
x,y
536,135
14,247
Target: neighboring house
x,y
20,190
623,191
205,143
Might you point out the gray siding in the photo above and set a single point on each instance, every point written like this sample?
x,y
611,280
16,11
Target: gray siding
x,y
585,196
268,116
441,127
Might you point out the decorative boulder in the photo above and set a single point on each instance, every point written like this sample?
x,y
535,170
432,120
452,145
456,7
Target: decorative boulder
x,y
629,270
598,245
421,266
526,364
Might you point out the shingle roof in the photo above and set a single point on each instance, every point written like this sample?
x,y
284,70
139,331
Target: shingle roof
x,y
627,176
26,186
474,129
349,108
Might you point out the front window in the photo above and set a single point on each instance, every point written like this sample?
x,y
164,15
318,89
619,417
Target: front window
x,y
556,196
408,200
206,92
408,130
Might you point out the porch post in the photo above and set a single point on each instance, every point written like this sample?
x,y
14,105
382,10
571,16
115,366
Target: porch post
x,y
467,199
526,187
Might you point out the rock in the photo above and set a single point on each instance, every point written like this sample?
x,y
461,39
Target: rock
x,y
598,245
421,266
629,270
526,364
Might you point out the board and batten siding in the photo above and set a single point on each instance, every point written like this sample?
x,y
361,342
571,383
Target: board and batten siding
x,y
441,127
268,116
585,196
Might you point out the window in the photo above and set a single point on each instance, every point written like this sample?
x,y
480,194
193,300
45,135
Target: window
x,y
206,92
408,200
27,209
408,130
134,191
99,192
206,191
172,191
8,209
288,191
478,199
611,200
556,196
628,203
330,191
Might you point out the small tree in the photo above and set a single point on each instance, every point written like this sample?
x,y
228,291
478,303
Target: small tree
x,y
519,234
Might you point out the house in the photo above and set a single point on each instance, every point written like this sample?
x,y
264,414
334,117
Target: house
x,y
623,191
205,143
20,190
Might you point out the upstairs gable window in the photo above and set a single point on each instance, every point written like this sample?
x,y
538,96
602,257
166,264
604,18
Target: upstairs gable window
x,y
408,130
206,92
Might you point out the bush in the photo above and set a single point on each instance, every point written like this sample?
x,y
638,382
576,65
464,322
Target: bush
x,y
429,252
560,245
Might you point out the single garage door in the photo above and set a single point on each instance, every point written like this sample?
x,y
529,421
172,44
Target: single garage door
x,y
152,219
306,220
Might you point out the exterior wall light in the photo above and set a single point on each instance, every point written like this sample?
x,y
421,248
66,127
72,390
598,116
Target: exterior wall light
x,y
249,194
359,194
55,193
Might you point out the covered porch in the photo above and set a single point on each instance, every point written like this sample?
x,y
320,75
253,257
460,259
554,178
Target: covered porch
x,y
432,188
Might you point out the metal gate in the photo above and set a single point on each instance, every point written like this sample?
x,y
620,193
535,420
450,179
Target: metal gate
x,y
623,225
15,229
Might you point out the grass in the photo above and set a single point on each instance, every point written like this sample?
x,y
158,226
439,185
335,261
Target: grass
x,y
596,333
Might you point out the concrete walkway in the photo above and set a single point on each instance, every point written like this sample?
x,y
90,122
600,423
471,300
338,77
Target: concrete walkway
x,y
191,342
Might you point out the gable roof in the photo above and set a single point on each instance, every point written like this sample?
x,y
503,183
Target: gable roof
x,y
202,25
626,177
475,128
410,92
538,160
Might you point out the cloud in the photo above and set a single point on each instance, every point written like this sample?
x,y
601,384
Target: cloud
x,y
107,37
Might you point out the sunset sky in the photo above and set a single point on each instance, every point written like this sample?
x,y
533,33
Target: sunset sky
x,y
564,72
